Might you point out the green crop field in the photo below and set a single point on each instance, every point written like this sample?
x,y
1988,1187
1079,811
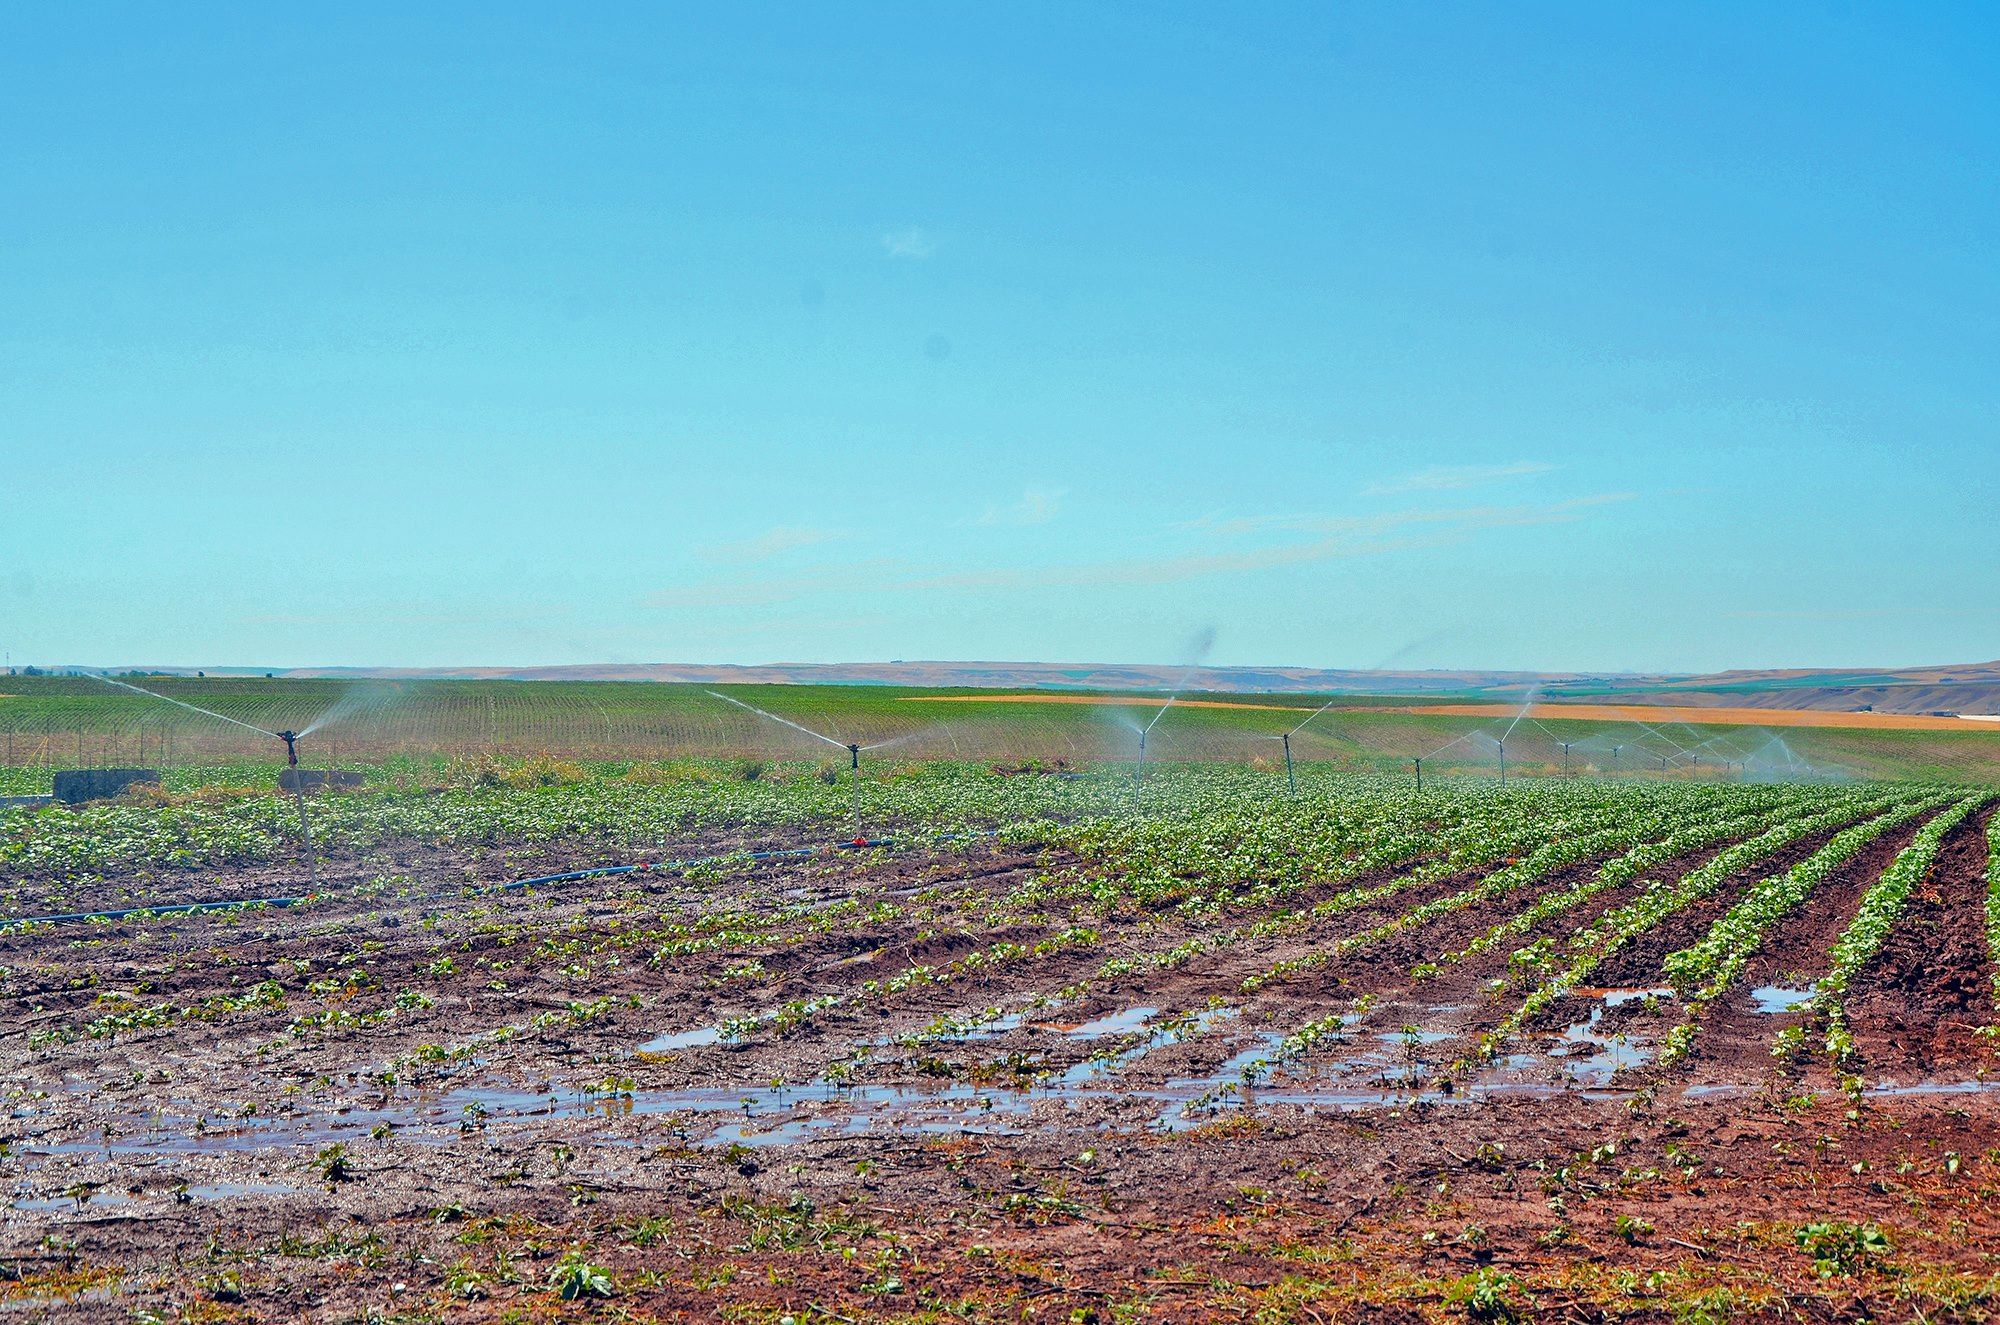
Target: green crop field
x,y
58,722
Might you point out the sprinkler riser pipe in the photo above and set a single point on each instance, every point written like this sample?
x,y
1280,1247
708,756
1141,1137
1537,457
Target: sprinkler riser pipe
x,y
854,756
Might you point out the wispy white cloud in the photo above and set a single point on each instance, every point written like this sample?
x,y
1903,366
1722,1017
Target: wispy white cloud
x,y
910,243
1855,613
1331,538
1447,478
768,544
1248,544
1037,506
764,590
1365,526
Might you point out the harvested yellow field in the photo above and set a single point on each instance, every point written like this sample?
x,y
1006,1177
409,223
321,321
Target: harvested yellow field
x,y
1656,715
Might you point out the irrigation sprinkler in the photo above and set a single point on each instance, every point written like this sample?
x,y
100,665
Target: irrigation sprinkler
x,y
291,740
1290,781
1527,702
1139,772
1566,745
853,748
1418,760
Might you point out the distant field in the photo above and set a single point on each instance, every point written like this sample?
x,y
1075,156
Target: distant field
x,y
1724,717
75,721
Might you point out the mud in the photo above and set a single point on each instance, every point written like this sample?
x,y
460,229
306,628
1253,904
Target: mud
x,y
1918,1007
362,1144
1737,1033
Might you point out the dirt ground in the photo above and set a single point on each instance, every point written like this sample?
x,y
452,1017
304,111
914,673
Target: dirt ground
x,y
681,1098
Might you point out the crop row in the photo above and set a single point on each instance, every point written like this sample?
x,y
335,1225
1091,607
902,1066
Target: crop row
x,y
1875,917
1591,946
1993,898
1485,829
1537,865
1615,873
1703,971
1481,845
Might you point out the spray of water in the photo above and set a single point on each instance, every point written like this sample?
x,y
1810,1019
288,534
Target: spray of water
x,y
298,792
1314,714
1196,653
904,739
1456,740
192,708
1659,735
357,700
1527,703
854,749
783,722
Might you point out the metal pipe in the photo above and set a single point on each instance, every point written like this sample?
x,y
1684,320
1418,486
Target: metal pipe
x,y
1291,783
291,740
854,757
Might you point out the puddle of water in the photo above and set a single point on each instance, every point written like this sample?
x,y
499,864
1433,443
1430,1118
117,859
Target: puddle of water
x,y
953,1031
1397,1039
69,1204
1091,1069
694,1039
227,1191
1118,1023
1374,1072
197,1191
1590,1056
1891,1088
1192,1101
1773,999
1612,998
770,1114
1233,1068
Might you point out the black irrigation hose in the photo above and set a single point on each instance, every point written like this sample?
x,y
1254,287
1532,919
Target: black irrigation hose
x,y
199,908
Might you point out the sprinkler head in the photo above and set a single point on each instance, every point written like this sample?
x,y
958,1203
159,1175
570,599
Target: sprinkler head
x,y
854,754
291,747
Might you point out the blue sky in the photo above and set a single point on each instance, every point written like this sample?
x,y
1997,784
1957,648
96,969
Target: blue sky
x,y
1531,336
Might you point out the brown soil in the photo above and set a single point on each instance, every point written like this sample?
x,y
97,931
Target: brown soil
x,y
184,1168
1918,1006
1736,1035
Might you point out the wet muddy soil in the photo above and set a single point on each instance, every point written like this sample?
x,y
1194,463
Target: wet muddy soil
x,y
1919,1006
852,1086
